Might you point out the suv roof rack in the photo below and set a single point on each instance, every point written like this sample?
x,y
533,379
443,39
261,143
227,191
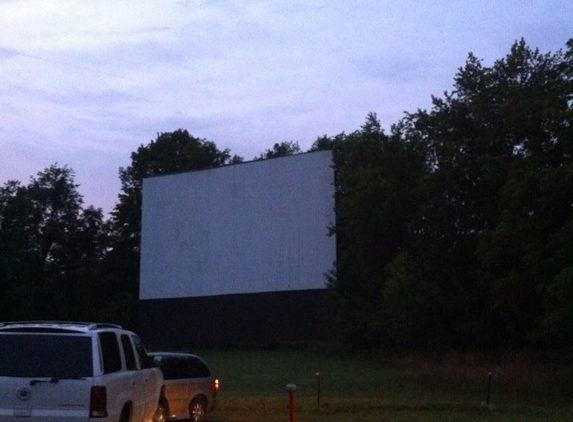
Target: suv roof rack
x,y
88,325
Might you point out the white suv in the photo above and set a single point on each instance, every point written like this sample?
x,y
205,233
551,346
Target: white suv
x,y
70,371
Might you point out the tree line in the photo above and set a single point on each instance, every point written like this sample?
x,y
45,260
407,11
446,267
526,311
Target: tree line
x,y
455,229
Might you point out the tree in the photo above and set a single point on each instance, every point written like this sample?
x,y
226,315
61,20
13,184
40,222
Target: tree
x,y
170,152
375,174
527,256
280,150
455,230
410,302
46,247
322,143
492,144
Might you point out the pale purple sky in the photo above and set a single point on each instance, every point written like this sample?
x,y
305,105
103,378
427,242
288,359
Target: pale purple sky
x,y
85,83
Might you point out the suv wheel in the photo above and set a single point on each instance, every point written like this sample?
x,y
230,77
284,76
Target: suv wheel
x,y
124,415
162,412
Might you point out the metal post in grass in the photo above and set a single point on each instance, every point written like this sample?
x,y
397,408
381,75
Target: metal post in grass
x,y
487,403
318,377
291,388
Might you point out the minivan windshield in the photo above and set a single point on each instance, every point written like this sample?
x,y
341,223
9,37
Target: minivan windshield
x,y
33,355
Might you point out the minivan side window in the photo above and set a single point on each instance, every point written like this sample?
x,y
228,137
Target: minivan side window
x,y
183,367
198,369
110,352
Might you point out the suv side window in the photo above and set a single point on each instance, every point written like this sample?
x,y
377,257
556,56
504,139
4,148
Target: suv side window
x,y
129,353
144,360
110,352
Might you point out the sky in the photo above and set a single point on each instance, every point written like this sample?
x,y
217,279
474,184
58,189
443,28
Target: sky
x,y
85,83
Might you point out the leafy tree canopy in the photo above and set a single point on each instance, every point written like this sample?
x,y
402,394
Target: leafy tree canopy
x,y
170,152
49,245
460,220
280,150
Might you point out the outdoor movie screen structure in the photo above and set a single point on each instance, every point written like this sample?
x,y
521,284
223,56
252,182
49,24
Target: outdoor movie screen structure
x,y
247,244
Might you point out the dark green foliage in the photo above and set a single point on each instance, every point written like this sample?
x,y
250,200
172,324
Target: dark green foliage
x,y
50,249
280,150
457,229
375,175
171,152
61,261
453,230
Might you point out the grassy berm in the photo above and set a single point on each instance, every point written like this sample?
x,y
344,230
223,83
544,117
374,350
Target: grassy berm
x,y
377,388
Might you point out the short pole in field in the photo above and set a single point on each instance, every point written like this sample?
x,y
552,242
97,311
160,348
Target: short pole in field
x,y
318,379
291,388
487,404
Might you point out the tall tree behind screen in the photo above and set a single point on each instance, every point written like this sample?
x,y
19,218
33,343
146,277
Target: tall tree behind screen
x,y
171,152
280,150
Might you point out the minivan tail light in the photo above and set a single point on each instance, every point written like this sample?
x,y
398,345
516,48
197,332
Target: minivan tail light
x,y
98,402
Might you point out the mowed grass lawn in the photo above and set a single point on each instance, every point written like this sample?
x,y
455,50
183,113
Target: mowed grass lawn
x,y
381,388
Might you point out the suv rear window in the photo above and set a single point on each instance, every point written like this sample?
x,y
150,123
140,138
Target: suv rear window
x,y
45,355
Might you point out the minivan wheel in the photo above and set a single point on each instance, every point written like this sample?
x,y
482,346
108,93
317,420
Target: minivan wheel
x,y
197,410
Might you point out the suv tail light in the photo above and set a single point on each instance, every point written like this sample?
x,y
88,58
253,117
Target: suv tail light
x,y
216,385
98,402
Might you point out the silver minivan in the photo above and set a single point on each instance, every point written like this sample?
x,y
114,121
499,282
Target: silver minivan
x,y
190,385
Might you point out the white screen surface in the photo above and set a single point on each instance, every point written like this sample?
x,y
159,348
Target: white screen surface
x,y
253,227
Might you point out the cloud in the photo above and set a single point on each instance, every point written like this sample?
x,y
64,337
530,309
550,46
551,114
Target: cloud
x,y
66,25
7,53
99,78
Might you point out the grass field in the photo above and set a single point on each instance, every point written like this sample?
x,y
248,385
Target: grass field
x,y
379,388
